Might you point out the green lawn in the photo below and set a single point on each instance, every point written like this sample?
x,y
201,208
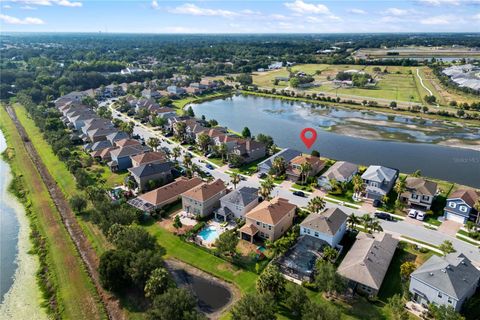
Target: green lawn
x,y
77,297
249,168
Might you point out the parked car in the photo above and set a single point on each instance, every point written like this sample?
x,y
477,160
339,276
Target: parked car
x,y
383,216
169,134
412,213
299,193
420,215
210,155
209,166
262,175
191,148
377,203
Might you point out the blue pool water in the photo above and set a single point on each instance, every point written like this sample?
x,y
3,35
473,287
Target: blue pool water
x,y
209,234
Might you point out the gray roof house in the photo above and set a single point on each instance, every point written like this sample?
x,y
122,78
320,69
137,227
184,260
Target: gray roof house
x,y
287,155
237,203
329,226
379,181
118,135
367,262
99,145
159,173
448,280
342,171
99,134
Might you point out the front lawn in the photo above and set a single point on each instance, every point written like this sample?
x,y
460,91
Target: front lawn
x,y
248,168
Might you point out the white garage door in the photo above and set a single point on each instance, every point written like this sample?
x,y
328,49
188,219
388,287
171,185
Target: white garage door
x,y
454,217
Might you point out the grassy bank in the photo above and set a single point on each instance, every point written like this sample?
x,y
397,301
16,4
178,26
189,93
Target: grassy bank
x,y
182,103
66,284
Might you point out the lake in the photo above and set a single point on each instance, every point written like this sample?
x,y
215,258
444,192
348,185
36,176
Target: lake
x,y
361,137
9,228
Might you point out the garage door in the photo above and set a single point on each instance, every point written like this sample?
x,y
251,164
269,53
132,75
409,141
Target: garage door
x,y
454,217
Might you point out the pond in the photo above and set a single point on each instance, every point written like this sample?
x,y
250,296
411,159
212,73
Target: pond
x,y
439,149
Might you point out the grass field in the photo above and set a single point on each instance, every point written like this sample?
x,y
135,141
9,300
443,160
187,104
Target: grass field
x,y
76,293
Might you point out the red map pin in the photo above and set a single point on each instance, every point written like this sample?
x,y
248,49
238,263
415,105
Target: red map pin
x,y
308,136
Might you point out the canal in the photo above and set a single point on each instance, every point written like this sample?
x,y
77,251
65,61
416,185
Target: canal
x,y
361,137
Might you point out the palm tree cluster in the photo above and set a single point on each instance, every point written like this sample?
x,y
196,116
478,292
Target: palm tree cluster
x,y
305,169
369,223
266,187
316,205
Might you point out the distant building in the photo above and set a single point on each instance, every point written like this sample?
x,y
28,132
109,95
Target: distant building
x,y
275,65
176,90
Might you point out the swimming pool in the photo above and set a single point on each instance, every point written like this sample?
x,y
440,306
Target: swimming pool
x,y
209,233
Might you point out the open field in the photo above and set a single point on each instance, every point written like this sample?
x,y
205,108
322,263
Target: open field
x,y
417,52
75,291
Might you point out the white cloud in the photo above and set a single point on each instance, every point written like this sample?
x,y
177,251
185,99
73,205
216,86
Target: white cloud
x,y
27,7
63,3
180,29
440,2
396,12
279,17
437,20
155,4
192,9
477,16
357,11
15,20
299,6
7,6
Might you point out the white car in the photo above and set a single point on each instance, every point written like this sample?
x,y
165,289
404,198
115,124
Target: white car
x,y
420,215
412,213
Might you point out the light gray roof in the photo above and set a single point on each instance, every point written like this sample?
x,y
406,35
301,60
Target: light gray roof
x,y
99,145
379,174
150,169
287,155
242,197
368,260
453,275
340,170
118,135
327,222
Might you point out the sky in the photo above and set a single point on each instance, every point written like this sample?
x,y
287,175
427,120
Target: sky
x,y
247,16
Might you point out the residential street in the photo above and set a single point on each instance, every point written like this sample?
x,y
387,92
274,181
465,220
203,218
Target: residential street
x,y
398,228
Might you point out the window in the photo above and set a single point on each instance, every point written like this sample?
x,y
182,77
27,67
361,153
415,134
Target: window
x,y
316,234
450,300
258,223
463,208
440,295
269,227
414,196
426,198
452,204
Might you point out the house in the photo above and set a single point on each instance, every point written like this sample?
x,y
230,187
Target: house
x,y
165,112
176,90
286,154
209,83
250,150
379,181
148,157
203,199
294,167
160,197
150,94
367,262
460,206
96,123
99,145
329,226
116,136
77,119
275,65
237,203
419,193
341,171
126,142
104,155
269,220
448,280
160,173
99,134
219,138
121,157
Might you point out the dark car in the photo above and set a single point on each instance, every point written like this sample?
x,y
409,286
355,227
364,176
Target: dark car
x,y
383,216
262,175
191,148
299,193
209,166
377,203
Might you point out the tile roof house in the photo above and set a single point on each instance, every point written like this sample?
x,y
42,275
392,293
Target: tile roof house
x,y
150,94
379,181
341,171
419,193
121,157
269,220
250,150
157,173
175,90
329,226
237,203
126,142
448,280
166,112
367,262
99,134
460,206
293,169
96,123
203,199
148,157
287,155
167,194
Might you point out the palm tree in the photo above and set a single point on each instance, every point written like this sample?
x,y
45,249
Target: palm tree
x,y
316,205
329,254
180,130
153,143
176,152
366,221
400,187
223,150
352,220
235,177
375,225
476,206
266,187
358,185
279,166
187,160
273,149
305,169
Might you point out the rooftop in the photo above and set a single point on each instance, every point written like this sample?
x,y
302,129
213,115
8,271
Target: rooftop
x,y
379,174
242,197
271,212
206,191
326,222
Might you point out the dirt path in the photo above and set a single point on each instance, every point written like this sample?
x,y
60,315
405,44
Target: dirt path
x,y
87,253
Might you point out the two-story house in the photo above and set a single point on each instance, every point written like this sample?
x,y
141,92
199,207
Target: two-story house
x,y
286,154
175,90
419,193
153,173
237,203
329,226
269,220
203,199
148,157
461,206
378,181
448,281
294,172
121,157
341,171
250,150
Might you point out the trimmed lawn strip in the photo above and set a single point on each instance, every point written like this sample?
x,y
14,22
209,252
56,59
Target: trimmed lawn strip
x,y
76,294
62,176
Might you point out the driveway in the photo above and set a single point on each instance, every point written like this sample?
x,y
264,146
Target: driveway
x,y
449,227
